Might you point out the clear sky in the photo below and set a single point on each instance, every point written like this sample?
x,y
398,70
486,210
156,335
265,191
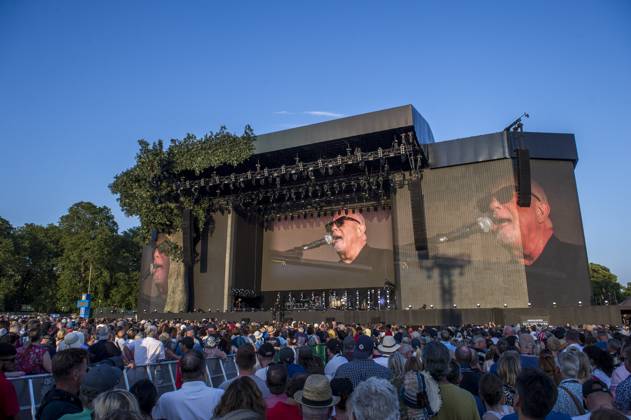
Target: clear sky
x,y
82,81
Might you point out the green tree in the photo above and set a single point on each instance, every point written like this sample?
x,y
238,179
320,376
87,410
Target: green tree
x,y
126,275
88,238
38,249
605,285
9,266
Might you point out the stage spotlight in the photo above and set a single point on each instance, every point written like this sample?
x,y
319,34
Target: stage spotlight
x,y
477,305
554,304
530,304
505,305
455,306
431,306
606,302
580,303
409,307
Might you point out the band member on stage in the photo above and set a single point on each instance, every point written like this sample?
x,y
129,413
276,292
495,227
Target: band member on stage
x,y
528,234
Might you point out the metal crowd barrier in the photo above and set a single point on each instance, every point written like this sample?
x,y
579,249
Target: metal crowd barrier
x,y
31,389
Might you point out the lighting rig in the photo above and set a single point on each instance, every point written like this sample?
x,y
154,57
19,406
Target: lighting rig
x,y
367,179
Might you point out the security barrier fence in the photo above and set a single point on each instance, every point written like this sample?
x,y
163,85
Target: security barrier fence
x,y
31,389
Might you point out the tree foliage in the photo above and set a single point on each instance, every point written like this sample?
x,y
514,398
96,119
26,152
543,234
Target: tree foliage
x,y
147,190
605,286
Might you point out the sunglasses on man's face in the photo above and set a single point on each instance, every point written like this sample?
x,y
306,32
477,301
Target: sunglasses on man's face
x,y
339,222
502,196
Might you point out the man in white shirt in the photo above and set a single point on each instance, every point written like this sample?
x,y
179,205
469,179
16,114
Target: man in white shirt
x,y
334,354
149,349
195,400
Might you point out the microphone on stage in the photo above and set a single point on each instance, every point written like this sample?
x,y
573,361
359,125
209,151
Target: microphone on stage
x,y
482,224
328,240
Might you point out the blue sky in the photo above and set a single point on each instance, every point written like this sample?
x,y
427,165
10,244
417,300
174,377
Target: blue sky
x,y
82,81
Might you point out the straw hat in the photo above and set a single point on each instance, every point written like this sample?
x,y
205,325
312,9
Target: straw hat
x,y
316,393
388,345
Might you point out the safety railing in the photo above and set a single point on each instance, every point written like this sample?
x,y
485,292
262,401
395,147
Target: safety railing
x,y
31,389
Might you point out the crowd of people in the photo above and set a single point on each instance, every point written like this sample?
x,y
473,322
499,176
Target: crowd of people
x,y
322,371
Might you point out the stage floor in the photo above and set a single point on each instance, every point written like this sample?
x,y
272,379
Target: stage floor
x,y
435,317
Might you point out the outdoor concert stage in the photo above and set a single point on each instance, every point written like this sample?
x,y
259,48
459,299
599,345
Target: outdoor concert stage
x,y
431,317
344,218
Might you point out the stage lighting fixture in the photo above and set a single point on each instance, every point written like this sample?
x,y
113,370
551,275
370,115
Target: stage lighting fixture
x,y
477,305
580,303
606,302
554,304
505,305
431,306
455,306
530,304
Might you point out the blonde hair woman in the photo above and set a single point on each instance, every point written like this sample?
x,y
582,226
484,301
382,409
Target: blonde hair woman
x,y
117,399
508,368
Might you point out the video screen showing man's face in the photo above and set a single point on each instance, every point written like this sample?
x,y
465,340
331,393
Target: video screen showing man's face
x,y
353,249
349,236
160,271
523,230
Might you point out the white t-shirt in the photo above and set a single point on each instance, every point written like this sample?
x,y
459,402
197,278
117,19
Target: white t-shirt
x,y
262,373
146,351
332,365
195,400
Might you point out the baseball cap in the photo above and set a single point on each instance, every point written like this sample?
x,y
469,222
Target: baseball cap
x,y
364,347
334,346
348,344
594,385
286,355
101,378
266,350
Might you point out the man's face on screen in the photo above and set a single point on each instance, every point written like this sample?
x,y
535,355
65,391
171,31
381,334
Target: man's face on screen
x,y
349,236
511,222
160,270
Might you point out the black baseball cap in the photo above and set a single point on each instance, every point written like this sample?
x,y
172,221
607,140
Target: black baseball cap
x,y
266,350
594,385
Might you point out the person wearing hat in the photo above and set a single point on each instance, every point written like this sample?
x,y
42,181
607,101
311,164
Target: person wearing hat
x,y
596,396
99,379
265,356
362,367
211,348
9,406
387,347
316,398
72,340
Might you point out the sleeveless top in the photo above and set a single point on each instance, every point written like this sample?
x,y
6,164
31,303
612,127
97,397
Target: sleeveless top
x,y
30,359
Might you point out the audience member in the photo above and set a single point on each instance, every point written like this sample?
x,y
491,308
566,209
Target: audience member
x,y
103,348
374,398
535,397
148,349
623,371
387,347
9,406
246,360
147,395
289,409
343,388
508,369
276,381
108,403
456,402
465,357
570,392
69,367
316,398
195,400
33,358
492,395
241,401
334,356
286,356
98,379
265,355
362,367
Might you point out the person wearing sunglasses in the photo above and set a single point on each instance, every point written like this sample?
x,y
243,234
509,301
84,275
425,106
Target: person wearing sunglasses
x,y
529,235
349,236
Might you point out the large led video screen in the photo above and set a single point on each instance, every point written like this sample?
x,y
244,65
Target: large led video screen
x,y
479,247
350,249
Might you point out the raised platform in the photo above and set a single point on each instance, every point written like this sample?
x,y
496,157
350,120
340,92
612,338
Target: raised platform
x,y
555,316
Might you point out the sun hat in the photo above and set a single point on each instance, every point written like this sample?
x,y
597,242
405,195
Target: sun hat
x,y
316,393
388,345
74,340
